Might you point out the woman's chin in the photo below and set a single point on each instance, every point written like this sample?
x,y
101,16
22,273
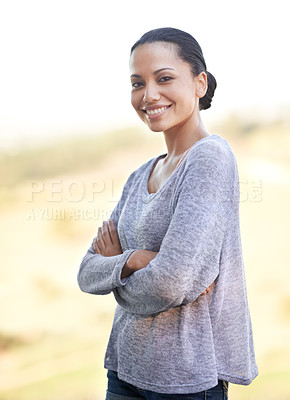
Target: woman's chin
x,y
153,129
156,127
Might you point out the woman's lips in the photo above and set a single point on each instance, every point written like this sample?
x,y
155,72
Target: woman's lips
x,y
156,112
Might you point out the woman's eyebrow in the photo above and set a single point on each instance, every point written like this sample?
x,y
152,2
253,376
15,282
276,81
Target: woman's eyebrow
x,y
154,73
162,69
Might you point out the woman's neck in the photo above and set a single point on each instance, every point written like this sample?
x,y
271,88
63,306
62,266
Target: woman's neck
x,y
180,139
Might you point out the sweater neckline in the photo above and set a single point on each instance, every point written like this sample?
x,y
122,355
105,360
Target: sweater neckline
x,y
150,196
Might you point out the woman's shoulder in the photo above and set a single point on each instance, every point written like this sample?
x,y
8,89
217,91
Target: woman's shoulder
x,y
210,158
212,144
145,166
139,172
213,147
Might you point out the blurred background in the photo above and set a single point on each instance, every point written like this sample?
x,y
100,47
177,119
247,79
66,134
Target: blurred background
x,y
69,140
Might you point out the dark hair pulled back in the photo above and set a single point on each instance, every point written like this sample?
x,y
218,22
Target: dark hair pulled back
x,y
188,50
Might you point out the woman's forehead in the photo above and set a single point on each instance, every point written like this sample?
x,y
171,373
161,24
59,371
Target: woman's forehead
x,y
154,55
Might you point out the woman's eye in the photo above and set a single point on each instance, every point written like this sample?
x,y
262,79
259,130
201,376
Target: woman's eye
x,y
165,79
136,85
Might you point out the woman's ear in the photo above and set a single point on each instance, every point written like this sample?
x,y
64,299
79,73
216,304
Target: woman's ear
x,y
201,84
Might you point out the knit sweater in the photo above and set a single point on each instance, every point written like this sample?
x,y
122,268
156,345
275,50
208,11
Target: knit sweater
x,y
167,337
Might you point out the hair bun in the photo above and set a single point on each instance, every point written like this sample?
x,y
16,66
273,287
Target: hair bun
x,y
205,101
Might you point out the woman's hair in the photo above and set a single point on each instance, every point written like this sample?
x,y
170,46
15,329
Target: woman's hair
x,y
188,50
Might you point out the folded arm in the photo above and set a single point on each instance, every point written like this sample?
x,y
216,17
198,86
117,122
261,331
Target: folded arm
x,y
188,260
99,274
101,268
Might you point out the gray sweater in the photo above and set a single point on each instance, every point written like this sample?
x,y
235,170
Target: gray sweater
x,y
167,337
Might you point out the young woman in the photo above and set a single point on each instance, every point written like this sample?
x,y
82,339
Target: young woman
x,y
171,252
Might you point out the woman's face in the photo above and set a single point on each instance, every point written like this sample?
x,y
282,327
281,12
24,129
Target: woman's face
x,y
164,91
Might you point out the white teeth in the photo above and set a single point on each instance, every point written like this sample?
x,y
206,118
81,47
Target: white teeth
x,y
156,111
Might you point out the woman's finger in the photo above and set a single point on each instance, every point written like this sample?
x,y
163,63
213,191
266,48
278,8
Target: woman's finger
x,y
207,290
96,247
113,232
105,233
100,240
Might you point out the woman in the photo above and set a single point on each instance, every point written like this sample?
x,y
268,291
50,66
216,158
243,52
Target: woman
x,y
171,251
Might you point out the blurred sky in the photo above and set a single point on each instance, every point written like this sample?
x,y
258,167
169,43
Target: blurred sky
x,y
64,63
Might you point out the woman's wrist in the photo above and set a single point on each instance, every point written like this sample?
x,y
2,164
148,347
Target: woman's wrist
x,y
137,260
126,271
128,268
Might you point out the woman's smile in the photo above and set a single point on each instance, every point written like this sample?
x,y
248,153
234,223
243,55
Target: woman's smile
x,y
156,111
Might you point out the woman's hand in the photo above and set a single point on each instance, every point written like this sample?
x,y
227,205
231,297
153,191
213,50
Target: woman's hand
x,y
107,242
209,289
138,259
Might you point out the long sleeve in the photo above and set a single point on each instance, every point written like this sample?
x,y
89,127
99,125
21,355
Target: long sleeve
x,y
98,274
188,260
165,336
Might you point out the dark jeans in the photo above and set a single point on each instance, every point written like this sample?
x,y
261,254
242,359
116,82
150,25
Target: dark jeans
x,y
120,390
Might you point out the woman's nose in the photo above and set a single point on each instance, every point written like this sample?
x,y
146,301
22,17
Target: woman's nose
x,y
151,94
